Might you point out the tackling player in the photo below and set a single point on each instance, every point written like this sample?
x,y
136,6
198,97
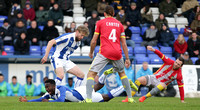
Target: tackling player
x,y
65,46
111,33
167,73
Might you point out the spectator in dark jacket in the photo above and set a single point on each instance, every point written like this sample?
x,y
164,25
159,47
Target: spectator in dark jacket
x,y
166,37
56,15
18,16
193,13
180,46
128,35
168,8
18,29
49,32
150,36
29,13
22,45
193,45
121,16
147,17
66,6
15,8
133,16
126,4
197,62
6,33
42,16
160,21
34,34
92,21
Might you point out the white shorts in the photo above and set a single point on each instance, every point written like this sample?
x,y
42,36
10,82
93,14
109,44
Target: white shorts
x,y
65,64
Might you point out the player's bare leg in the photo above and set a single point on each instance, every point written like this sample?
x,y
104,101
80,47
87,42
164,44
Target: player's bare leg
x,y
80,75
60,75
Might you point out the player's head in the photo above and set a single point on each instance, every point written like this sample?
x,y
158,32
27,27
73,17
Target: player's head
x,y
50,85
81,32
1,77
14,79
109,11
29,79
178,63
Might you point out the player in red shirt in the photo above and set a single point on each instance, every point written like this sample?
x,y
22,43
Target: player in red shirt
x,y
167,73
111,33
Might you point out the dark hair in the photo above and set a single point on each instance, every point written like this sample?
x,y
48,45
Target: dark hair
x,y
14,77
28,76
181,59
50,81
70,78
1,74
109,10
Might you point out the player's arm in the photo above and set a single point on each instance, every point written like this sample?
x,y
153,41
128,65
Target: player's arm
x,y
93,44
125,49
181,88
49,46
62,95
24,99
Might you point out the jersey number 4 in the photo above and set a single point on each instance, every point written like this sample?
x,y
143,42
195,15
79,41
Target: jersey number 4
x,y
112,35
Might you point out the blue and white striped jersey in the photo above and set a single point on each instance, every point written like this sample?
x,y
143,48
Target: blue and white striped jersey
x,y
65,46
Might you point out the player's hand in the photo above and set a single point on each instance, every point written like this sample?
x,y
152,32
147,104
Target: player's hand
x,y
44,59
91,55
127,63
21,99
45,100
150,48
183,101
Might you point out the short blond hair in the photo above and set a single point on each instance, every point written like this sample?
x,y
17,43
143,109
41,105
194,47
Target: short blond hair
x,y
83,29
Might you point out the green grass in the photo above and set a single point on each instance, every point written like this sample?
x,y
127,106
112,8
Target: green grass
x,y
154,103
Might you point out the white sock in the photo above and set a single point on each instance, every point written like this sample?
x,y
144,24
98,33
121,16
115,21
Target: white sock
x,y
102,79
116,92
78,82
58,81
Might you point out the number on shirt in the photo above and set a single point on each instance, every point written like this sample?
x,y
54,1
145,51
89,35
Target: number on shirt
x,y
112,35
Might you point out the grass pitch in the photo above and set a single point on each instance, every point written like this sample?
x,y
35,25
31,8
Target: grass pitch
x,y
153,103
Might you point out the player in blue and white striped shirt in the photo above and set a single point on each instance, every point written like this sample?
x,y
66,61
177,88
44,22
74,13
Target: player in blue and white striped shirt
x,y
65,46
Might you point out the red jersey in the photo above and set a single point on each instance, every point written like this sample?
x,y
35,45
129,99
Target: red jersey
x,y
167,74
110,30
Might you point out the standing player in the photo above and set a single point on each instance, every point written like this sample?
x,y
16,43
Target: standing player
x,y
65,46
167,73
111,33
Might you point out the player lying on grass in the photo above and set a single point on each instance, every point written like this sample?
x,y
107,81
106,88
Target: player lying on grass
x,y
167,73
64,94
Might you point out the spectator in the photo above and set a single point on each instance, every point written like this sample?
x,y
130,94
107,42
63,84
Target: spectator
x,y
86,40
121,16
66,6
19,17
45,3
188,4
6,33
168,8
92,21
197,62
34,34
90,5
18,29
16,87
56,15
126,4
42,16
160,21
70,83
116,5
193,45
15,8
49,32
150,36
21,45
195,26
101,6
41,88
144,71
180,46
147,17
195,11
166,37
187,60
29,13
128,35
130,73
31,2
133,17
72,28
5,89
29,88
